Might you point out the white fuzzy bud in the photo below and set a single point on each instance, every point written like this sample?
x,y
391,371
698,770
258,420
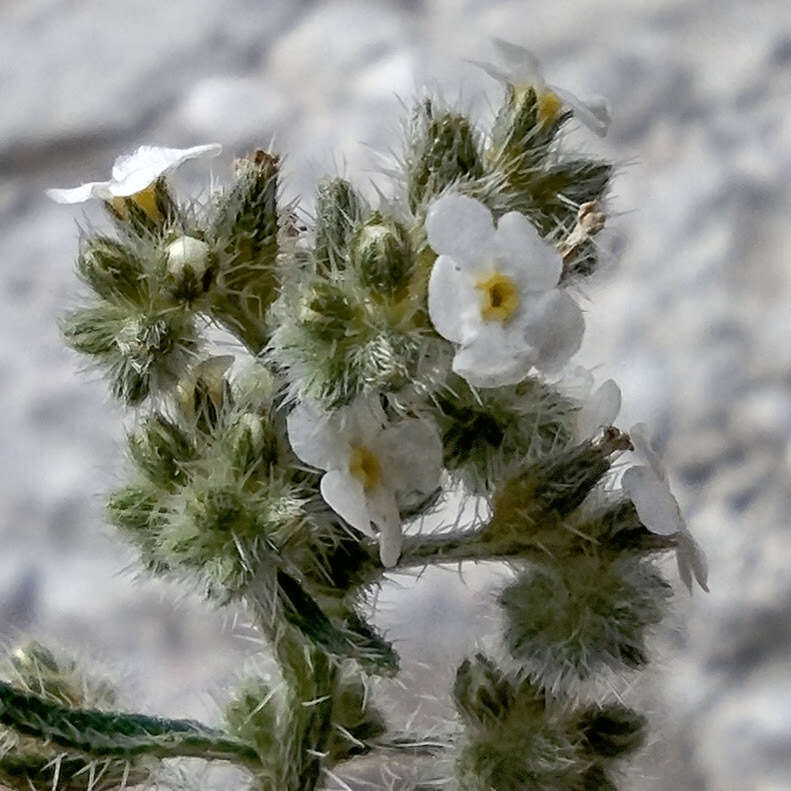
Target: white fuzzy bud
x,y
187,252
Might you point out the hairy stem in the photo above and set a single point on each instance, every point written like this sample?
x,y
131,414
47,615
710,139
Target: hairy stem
x,y
310,675
102,734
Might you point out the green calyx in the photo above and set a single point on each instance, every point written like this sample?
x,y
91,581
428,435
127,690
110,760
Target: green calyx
x,y
443,150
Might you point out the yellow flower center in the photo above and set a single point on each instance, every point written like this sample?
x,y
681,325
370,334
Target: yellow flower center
x,y
549,107
146,200
364,466
500,297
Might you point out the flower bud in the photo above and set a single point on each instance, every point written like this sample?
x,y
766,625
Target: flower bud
x,y
598,617
482,694
111,269
443,151
144,343
160,449
250,443
246,233
188,260
203,392
613,730
382,255
537,498
329,311
58,678
338,210
524,127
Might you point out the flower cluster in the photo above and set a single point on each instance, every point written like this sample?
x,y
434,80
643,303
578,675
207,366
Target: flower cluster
x,y
397,351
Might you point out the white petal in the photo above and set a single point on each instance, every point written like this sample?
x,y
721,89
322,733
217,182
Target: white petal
x,y
577,382
523,64
410,452
494,357
85,192
527,256
593,112
361,421
314,437
453,303
554,327
136,171
187,252
346,496
601,409
460,227
643,447
657,508
384,513
691,560
493,71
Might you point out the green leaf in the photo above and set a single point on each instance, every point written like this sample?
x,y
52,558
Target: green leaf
x,y
102,734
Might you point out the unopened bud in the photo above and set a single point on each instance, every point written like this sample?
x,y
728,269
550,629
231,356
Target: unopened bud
x,y
204,390
160,449
188,262
444,151
382,255
338,209
481,692
111,269
250,443
540,495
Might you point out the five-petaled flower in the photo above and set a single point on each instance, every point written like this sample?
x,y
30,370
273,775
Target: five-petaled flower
x,y
373,468
493,291
135,175
522,69
658,509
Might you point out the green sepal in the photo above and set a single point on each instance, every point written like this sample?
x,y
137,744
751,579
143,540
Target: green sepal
x,y
160,449
382,255
246,241
601,610
339,209
613,730
521,140
133,221
443,150
112,269
555,194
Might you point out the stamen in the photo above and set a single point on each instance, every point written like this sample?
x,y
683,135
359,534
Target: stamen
x,y
549,107
364,466
500,297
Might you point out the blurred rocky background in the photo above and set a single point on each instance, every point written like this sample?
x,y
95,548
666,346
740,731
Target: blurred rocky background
x,y
692,315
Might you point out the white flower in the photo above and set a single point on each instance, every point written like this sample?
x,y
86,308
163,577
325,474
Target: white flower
x,y
658,509
134,174
493,292
372,467
522,69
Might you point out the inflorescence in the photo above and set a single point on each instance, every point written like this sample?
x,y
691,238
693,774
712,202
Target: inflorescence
x,y
389,355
